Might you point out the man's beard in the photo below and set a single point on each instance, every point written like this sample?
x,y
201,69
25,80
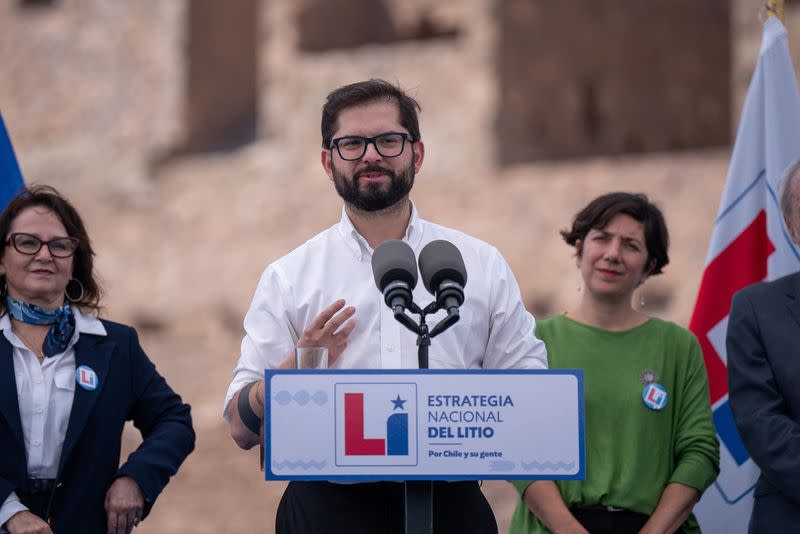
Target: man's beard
x,y
375,196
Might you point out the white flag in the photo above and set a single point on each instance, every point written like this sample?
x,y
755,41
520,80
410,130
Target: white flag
x,y
749,244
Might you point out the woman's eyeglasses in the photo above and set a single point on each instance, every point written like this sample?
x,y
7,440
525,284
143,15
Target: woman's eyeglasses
x,y
60,247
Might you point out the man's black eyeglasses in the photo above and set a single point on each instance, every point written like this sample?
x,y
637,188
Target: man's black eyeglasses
x,y
60,247
388,145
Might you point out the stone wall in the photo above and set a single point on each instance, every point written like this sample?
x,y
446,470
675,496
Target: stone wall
x,y
328,24
220,110
91,89
584,78
451,75
98,90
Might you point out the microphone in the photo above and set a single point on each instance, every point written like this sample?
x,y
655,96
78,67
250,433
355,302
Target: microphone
x,y
444,274
395,270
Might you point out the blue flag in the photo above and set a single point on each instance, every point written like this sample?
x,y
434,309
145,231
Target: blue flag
x,y
10,176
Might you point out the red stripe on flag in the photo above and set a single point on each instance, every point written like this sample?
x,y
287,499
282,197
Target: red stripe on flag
x,y
742,263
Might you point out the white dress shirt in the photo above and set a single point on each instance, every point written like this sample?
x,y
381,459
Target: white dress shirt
x,y
495,330
44,393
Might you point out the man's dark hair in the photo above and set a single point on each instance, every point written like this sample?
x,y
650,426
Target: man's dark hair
x,y
601,210
82,262
368,92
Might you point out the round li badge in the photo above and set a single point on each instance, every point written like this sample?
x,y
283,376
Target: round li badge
x,y
654,396
86,378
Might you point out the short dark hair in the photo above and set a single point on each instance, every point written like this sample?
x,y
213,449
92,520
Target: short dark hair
x,y
599,212
367,92
83,264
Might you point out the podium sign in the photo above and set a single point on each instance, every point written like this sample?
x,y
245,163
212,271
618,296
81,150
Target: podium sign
x,y
358,425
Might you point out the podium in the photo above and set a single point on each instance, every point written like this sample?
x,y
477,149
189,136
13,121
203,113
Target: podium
x,y
422,425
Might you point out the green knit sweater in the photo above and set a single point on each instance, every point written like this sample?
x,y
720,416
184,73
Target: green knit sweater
x,y
633,452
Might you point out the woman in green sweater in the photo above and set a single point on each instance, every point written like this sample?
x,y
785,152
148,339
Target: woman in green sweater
x,y
651,448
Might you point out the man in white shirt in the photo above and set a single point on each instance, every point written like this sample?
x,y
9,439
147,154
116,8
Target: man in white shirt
x,y
323,294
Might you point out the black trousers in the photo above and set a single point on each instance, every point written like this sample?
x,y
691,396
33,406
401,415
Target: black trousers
x,y
379,507
599,520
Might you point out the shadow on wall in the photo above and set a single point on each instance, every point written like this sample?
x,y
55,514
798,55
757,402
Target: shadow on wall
x,y
361,22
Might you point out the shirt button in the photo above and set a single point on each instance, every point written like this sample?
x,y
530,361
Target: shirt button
x,y
390,348
37,380
36,443
39,410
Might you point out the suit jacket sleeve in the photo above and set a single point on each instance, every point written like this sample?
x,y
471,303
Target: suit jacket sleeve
x,y
771,436
165,423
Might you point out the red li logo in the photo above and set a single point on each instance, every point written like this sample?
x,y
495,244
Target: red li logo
x,y
357,444
86,378
654,396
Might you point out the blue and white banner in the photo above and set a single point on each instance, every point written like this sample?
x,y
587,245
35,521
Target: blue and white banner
x,y
10,175
749,244
430,424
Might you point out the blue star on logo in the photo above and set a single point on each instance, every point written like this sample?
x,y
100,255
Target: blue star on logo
x,y
398,403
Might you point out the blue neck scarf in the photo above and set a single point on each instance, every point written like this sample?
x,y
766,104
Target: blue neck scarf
x,y
61,321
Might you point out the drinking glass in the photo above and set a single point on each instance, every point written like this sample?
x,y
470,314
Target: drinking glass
x,y
311,357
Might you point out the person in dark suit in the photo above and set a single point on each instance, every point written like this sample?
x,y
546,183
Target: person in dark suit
x,y
763,343
69,382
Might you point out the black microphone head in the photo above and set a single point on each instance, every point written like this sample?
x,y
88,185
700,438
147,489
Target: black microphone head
x,y
441,260
393,261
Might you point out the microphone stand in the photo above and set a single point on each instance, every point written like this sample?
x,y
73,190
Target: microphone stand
x,y
419,493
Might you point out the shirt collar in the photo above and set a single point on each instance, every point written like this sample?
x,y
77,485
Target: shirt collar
x,y
84,323
88,324
359,245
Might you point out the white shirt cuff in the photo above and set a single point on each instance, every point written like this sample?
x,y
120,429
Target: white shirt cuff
x,y
11,506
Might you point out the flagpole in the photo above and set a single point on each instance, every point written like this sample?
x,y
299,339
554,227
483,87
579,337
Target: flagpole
x,y
775,9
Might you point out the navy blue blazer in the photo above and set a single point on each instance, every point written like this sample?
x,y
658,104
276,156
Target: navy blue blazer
x,y
763,343
129,388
